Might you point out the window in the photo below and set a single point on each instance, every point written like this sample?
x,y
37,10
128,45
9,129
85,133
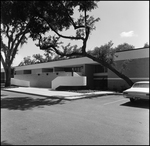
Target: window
x,y
27,71
68,69
77,69
47,69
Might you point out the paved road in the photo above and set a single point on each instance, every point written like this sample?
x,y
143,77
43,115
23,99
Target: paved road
x,y
105,120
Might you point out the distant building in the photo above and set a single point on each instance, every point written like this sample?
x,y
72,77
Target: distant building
x,y
83,71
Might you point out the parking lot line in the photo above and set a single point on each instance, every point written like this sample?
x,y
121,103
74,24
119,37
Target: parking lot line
x,y
114,101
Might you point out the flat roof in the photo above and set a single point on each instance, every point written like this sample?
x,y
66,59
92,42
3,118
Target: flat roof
x,y
122,55
58,63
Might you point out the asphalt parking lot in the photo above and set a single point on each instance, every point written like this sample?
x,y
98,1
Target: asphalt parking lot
x,y
103,120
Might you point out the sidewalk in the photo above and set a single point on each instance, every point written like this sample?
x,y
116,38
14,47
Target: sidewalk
x,y
47,92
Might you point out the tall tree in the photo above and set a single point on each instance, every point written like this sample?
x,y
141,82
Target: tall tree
x,y
18,19
14,27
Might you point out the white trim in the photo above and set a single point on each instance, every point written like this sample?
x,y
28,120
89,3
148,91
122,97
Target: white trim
x,y
59,63
130,78
101,74
100,78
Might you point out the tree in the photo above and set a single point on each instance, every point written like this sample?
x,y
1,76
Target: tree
x,y
26,61
83,26
15,23
125,46
38,58
105,52
48,56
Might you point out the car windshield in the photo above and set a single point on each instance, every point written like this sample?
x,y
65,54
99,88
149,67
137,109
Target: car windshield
x,y
141,85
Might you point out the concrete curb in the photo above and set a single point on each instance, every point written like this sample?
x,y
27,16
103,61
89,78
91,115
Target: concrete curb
x,y
55,97
92,96
75,97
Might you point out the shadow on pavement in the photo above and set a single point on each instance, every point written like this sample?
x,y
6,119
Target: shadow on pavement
x,y
27,103
5,143
137,104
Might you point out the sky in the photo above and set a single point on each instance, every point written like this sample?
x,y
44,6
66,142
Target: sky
x,y
120,22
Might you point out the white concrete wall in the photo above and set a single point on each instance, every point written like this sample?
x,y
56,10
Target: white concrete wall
x,y
77,73
18,82
36,71
41,80
69,81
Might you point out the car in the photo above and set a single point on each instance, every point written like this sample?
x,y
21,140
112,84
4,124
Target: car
x,y
139,90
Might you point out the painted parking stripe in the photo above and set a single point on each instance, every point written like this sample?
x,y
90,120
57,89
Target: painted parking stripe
x,y
114,101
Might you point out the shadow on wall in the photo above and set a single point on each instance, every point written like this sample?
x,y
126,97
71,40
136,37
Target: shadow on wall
x,y
120,89
28,103
5,143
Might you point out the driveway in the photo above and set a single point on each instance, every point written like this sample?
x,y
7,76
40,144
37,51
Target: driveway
x,y
103,120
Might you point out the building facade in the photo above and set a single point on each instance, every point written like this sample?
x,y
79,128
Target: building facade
x,y
134,64
85,72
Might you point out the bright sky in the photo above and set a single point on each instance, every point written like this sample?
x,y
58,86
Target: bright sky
x,y
121,21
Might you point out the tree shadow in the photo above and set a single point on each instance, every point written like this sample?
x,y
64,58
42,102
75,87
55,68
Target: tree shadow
x,y
3,95
5,143
137,104
28,103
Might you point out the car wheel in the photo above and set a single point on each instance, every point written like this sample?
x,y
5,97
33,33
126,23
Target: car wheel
x,y
132,100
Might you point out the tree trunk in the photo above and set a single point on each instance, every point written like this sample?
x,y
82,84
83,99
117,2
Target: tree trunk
x,y
8,77
125,78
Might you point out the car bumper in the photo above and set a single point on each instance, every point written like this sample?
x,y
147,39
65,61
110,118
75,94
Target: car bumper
x,y
136,96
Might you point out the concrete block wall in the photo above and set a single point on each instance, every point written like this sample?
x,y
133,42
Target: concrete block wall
x,y
137,70
69,81
18,82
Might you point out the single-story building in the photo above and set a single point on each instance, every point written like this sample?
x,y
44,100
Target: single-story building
x,y
85,72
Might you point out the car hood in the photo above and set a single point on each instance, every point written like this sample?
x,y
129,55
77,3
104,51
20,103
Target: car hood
x,y
143,90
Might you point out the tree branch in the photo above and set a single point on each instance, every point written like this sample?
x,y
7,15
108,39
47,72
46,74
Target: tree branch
x,y
3,47
87,32
16,38
14,49
72,21
60,35
60,53
105,64
3,62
